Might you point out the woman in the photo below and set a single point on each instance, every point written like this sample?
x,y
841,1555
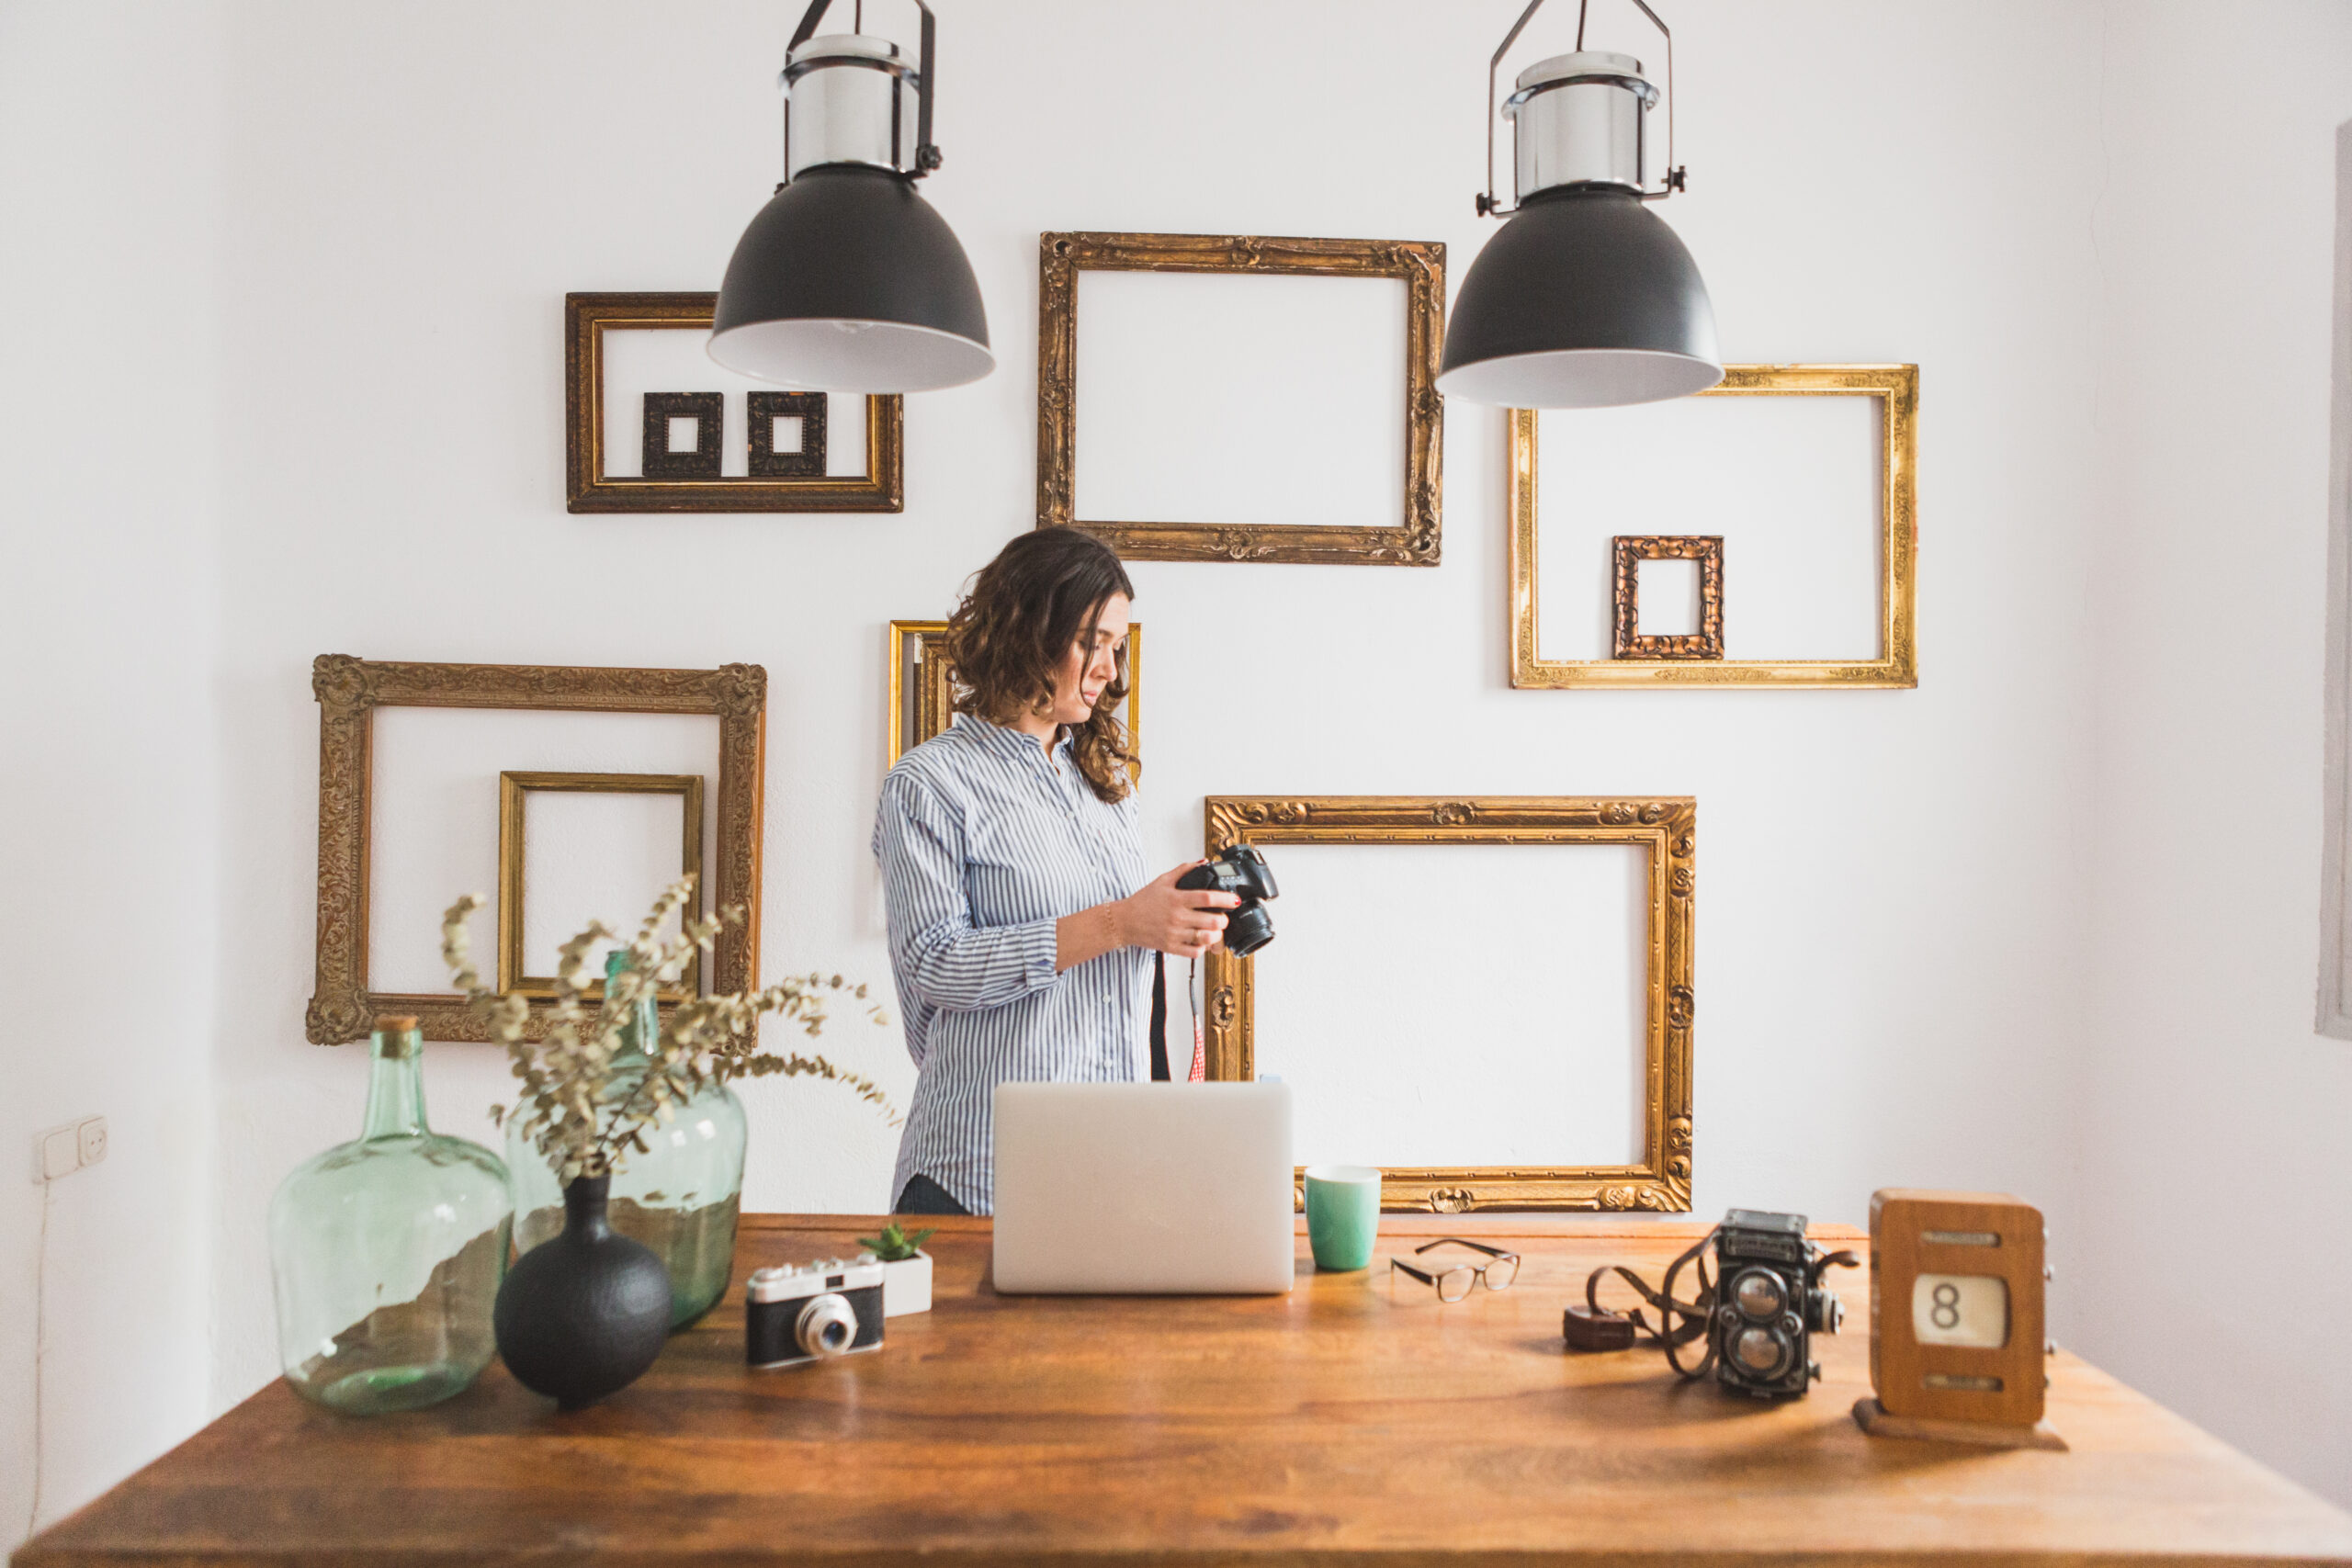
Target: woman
x,y
1022,924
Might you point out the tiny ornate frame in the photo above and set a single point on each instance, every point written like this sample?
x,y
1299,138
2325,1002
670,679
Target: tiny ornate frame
x,y
1667,827
513,788
1420,263
708,409
586,318
923,694
1630,551
1896,386
350,690
765,408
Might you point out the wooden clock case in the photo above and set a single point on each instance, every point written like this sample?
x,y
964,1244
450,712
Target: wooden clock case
x,y
1989,1395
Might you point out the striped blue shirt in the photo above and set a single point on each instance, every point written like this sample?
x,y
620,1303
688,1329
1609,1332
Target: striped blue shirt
x,y
985,841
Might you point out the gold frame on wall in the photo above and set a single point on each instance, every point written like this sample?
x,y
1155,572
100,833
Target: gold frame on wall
x,y
511,789
586,318
1896,386
1667,827
349,691
1419,264
932,697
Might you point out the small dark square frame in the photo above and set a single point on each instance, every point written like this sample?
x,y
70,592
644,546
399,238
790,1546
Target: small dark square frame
x,y
708,409
586,318
766,408
1707,549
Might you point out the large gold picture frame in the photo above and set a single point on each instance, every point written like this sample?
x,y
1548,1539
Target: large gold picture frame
x,y
1667,827
586,318
1896,386
1420,263
342,1007
923,694
514,790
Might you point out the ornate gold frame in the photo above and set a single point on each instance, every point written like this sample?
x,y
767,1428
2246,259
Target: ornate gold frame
x,y
350,690
931,695
1897,388
512,789
585,319
1420,263
1668,827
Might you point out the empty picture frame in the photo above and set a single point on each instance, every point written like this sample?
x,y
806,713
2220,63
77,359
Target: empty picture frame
x,y
1630,641
851,461
1662,829
1173,408
921,700
514,790
349,691
1866,464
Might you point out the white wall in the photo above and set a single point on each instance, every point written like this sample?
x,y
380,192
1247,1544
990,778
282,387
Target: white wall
x,y
1898,900
108,164
2214,1116
1890,933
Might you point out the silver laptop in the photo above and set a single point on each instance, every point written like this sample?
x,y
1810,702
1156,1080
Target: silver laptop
x,y
1143,1189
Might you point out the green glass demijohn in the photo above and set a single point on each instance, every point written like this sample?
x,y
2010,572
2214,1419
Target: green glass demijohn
x,y
679,1197
388,1252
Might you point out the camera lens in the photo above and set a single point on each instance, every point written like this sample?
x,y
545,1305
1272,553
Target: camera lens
x,y
1757,1349
826,1326
1759,1294
1247,929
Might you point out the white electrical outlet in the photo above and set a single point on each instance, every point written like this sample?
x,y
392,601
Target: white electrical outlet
x,y
62,1151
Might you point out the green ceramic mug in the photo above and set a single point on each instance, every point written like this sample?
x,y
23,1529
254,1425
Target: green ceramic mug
x,y
1342,1214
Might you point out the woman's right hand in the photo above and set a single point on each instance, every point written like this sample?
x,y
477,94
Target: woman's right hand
x,y
1183,923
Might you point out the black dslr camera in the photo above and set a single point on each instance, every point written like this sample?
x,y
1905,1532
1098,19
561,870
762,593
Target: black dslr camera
x,y
1239,870
1769,1302
828,1308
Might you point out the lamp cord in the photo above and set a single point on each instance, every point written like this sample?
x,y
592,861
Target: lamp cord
x,y
40,1345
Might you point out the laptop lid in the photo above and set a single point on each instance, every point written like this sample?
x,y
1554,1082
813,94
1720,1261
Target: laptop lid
x,y
1143,1189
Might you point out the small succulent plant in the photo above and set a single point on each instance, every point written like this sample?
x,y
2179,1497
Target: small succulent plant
x,y
894,1245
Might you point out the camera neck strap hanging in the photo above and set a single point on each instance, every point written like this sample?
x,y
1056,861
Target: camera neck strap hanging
x,y
1598,1322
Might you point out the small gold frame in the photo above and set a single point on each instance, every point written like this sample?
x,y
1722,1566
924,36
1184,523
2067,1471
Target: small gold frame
x,y
921,647
513,788
1896,386
1628,551
1419,264
586,318
1667,827
349,691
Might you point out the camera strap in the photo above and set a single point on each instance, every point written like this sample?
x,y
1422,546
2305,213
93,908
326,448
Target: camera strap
x,y
1667,1333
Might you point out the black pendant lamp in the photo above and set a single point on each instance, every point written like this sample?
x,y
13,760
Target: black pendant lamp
x,y
848,281
1585,298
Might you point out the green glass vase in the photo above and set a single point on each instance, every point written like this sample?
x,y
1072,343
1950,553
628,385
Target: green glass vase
x,y
387,1253
679,1197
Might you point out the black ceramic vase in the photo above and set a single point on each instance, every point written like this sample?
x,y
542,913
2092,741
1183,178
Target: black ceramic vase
x,y
585,1314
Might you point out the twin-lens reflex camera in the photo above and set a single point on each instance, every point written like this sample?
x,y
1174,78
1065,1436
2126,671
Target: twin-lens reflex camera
x,y
1768,1303
812,1312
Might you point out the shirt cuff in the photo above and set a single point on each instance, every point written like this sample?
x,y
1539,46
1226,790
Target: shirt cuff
x,y
1037,944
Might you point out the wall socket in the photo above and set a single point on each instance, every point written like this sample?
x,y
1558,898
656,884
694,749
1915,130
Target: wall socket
x,y
62,1151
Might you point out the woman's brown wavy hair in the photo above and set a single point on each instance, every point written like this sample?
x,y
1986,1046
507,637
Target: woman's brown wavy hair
x,y
1019,618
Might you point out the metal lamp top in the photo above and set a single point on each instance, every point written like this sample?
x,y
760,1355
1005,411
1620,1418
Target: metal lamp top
x,y
849,98
1579,120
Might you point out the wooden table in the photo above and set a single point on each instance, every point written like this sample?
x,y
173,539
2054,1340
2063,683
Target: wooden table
x,y
1353,1418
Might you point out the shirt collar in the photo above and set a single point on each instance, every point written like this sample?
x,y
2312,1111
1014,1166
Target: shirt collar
x,y
1006,740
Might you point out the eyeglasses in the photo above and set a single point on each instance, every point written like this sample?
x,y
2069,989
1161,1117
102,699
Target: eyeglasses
x,y
1453,1284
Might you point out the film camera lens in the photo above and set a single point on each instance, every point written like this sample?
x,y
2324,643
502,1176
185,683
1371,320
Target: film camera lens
x,y
1243,872
1759,1294
1759,1350
826,1326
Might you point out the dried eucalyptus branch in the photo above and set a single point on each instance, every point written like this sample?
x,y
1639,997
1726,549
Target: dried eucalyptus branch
x,y
565,1078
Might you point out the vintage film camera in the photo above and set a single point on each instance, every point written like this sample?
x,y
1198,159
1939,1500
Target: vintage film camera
x,y
813,1311
1239,870
1768,1303
1759,1314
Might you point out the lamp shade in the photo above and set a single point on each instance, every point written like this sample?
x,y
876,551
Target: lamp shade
x,y
1585,298
848,281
